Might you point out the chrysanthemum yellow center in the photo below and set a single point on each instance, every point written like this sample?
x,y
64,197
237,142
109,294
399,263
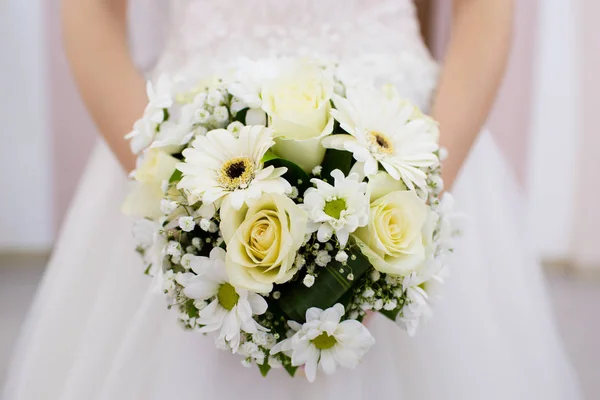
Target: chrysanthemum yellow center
x,y
324,341
334,207
227,296
381,142
236,173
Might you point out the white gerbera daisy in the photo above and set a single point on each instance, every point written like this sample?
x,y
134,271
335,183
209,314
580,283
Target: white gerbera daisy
x,y
339,209
323,341
384,130
221,164
231,309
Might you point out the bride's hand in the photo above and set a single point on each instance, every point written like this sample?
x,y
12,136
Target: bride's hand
x,y
473,69
95,35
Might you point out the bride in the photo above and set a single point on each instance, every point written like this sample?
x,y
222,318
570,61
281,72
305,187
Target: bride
x,y
97,331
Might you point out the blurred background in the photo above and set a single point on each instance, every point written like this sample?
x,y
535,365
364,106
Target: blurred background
x,y
544,120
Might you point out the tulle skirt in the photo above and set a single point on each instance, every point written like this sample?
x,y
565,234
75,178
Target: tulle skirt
x,y
98,331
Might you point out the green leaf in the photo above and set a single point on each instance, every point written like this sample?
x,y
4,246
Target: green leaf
x,y
290,370
269,155
264,368
294,175
336,159
191,309
329,287
176,176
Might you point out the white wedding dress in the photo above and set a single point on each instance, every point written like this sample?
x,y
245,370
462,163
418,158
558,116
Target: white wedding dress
x,y
97,331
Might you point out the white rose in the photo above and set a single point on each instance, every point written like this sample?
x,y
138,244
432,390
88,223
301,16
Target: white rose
x,y
298,106
262,241
397,239
145,198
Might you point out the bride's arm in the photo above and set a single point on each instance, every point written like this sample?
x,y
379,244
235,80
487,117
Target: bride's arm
x,y
95,35
473,69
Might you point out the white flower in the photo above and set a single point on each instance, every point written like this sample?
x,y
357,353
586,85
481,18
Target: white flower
x,y
221,115
323,258
231,309
160,96
145,198
264,339
172,135
275,363
341,256
300,261
204,224
168,206
298,103
202,116
173,249
420,289
219,165
187,223
378,305
390,305
235,128
147,235
250,78
142,134
308,280
339,209
382,131
214,98
368,293
375,275
325,342
262,241
399,233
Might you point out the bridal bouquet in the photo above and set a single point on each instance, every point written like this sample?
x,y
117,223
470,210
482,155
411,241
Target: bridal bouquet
x,y
281,207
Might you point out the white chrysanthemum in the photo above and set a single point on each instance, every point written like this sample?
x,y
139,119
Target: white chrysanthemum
x,y
384,130
231,309
142,134
160,97
220,165
326,342
176,134
339,209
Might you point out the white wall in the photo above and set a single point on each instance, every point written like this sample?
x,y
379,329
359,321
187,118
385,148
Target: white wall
x,y
556,124
25,186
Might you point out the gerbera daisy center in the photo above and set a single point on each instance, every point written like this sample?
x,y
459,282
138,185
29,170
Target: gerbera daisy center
x,y
324,341
236,173
334,207
381,142
227,296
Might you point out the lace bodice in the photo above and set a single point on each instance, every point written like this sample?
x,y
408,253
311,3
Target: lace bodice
x,y
377,40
